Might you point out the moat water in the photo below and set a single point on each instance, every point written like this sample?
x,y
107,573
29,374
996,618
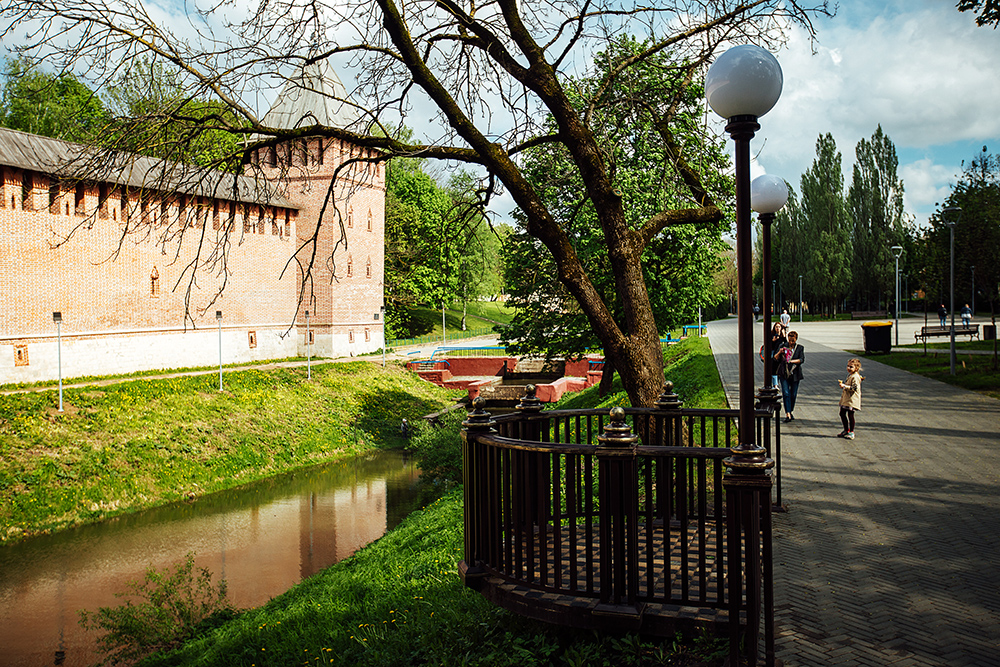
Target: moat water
x,y
262,539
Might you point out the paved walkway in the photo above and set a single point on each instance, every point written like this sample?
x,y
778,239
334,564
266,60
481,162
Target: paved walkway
x,y
889,551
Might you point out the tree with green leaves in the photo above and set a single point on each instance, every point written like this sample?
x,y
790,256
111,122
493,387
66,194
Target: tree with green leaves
x,y
828,255
154,116
977,237
875,210
439,247
677,263
52,105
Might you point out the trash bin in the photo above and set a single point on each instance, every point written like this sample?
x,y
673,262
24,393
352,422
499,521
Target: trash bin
x,y
877,336
989,332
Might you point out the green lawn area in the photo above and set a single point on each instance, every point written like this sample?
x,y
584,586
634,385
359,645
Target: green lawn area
x,y
974,372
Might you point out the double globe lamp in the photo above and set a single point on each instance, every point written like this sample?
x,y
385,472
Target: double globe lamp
x,y
742,85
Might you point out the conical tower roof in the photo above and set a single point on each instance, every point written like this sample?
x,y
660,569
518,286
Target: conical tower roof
x,y
315,96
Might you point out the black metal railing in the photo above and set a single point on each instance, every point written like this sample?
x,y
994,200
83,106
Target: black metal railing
x,y
637,511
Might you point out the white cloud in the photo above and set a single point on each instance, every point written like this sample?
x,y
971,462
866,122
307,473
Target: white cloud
x,y
920,69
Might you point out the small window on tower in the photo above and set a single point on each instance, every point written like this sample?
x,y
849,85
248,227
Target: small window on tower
x,y
81,199
350,218
20,355
154,283
252,338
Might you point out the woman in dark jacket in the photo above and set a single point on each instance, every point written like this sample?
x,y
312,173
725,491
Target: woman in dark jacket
x,y
790,359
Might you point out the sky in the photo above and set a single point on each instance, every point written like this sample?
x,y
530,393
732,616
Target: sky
x,y
921,69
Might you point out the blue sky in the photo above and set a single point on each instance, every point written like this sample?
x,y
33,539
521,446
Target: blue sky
x,y
920,68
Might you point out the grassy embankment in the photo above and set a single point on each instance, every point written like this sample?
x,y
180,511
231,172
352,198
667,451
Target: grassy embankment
x,y
399,601
132,445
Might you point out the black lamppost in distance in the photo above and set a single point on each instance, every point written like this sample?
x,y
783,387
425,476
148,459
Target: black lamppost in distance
x,y
57,318
218,318
897,251
742,85
768,195
951,216
800,298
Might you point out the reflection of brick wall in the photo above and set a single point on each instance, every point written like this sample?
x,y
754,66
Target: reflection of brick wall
x,y
118,272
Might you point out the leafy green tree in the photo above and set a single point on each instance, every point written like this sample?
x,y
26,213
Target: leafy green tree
x,y
977,237
154,116
52,105
679,262
829,253
788,250
875,209
416,211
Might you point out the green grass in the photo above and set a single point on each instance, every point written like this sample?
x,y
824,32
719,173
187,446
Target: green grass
x,y
133,445
19,386
961,343
974,372
688,364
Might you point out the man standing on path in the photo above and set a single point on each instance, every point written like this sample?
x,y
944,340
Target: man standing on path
x,y
943,315
785,318
966,316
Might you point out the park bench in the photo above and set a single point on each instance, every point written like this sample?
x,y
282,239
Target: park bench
x,y
699,328
867,314
971,331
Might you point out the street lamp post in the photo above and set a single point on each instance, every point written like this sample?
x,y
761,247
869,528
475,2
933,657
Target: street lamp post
x,y
742,85
951,216
382,313
973,267
57,318
800,298
767,195
897,251
309,370
218,318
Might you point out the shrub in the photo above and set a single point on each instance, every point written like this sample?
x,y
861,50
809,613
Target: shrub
x,y
438,449
172,607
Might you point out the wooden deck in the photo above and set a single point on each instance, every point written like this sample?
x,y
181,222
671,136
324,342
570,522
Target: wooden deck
x,y
562,581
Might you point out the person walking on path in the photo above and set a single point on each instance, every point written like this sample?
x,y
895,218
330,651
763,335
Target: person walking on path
x,y
850,398
943,315
785,318
966,316
790,359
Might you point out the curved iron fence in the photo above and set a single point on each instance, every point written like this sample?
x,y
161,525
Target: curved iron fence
x,y
627,521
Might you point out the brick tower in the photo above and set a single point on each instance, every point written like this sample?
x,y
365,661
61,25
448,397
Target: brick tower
x,y
344,289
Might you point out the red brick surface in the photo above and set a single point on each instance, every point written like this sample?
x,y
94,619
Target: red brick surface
x,y
116,275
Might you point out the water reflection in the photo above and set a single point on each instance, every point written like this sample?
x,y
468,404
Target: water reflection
x,y
262,540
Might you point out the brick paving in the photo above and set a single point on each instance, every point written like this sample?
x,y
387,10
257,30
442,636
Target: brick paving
x,y
888,552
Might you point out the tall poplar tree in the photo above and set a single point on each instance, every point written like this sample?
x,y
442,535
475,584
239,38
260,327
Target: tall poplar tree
x,y
829,255
875,208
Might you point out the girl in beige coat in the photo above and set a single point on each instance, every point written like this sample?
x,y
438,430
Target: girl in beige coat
x,y
850,398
